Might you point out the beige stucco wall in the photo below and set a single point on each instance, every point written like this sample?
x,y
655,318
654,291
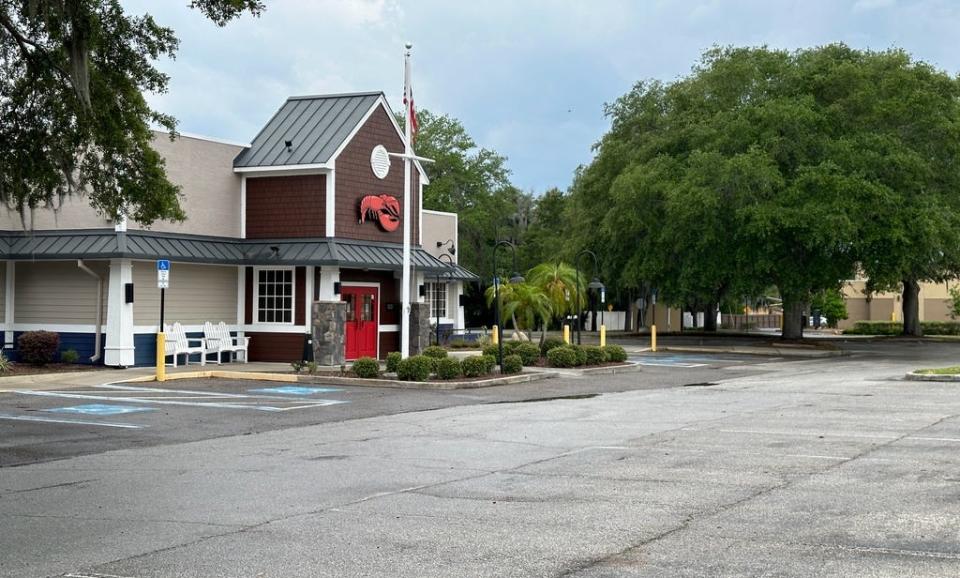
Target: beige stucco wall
x,y
74,213
58,292
202,168
438,228
934,303
210,189
197,293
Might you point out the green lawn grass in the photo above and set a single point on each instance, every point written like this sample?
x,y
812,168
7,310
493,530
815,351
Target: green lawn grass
x,y
954,370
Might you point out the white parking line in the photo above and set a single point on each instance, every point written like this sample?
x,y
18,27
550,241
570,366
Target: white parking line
x,y
68,421
216,405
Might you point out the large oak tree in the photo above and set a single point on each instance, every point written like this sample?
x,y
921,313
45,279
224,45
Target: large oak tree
x,y
73,74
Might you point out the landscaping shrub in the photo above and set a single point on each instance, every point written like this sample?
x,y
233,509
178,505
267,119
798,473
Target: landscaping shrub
x,y
5,365
896,328
528,352
474,366
38,347
512,364
435,351
493,350
550,343
393,361
69,356
448,368
510,347
615,353
489,363
594,354
366,367
297,366
581,354
562,357
461,344
415,368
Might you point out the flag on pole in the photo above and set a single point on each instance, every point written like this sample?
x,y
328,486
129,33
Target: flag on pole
x,y
409,110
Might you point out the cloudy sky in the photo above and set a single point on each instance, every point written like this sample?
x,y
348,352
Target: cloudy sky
x,y
527,78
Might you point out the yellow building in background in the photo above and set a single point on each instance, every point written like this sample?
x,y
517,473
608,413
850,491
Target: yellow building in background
x,y
888,306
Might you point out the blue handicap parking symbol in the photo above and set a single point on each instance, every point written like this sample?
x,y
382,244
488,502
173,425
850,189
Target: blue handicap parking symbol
x,y
99,409
295,390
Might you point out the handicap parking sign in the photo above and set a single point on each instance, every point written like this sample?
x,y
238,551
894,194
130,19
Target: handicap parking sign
x,y
163,274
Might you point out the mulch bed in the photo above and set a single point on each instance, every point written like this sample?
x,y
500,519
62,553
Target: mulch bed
x,y
28,369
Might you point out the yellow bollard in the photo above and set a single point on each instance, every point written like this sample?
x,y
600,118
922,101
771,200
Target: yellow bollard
x,y
603,336
653,338
893,315
496,335
161,350
566,334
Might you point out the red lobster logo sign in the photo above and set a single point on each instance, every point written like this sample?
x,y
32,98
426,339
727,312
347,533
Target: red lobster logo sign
x,y
384,208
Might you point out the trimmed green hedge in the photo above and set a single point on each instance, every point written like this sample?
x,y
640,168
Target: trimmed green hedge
x,y
594,354
448,368
366,367
435,351
415,368
393,361
512,364
562,357
581,354
528,352
896,328
489,363
615,353
550,343
474,366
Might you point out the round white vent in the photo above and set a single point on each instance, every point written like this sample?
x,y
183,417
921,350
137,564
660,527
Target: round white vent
x,y
380,161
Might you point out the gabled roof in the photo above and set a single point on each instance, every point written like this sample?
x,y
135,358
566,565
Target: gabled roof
x,y
317,126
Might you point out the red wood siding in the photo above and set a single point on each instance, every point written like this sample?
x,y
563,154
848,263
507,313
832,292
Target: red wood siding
x,y
282,347
355,180
389,342
283,207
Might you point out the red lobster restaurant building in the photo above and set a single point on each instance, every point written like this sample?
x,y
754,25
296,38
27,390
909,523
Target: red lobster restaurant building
x,y
297,234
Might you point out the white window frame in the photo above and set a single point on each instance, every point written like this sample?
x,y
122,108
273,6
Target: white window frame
x,y
256,296
432,291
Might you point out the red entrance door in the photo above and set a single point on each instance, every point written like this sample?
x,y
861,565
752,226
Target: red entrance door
x,y
362,321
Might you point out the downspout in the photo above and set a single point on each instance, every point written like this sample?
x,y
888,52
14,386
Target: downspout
x,y
96,347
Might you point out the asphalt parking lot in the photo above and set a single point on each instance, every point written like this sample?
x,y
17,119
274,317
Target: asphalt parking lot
x,y
44,425
734,467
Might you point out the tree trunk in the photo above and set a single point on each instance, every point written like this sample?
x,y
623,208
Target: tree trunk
x,y
793,310
710,318
911,308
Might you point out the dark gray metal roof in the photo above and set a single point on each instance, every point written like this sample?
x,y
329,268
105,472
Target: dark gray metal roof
x,y
316,126
108,244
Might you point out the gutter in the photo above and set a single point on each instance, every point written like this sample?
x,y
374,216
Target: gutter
x,y
96,348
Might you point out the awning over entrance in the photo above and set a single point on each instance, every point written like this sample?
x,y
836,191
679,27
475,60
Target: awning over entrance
x,y
108,244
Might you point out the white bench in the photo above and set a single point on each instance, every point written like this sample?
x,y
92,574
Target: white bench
x,y
179,344
218,339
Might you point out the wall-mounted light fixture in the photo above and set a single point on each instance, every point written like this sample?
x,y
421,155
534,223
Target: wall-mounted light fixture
x,y
274,251
452,249
289,145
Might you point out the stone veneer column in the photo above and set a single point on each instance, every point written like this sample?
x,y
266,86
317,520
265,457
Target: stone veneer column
x,y
329,332
419,327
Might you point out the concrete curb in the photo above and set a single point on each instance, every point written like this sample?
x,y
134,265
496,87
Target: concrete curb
x,y
629,367
259,376
433,385
914,376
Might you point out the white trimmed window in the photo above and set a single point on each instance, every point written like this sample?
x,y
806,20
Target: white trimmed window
x,y
437,299
274,296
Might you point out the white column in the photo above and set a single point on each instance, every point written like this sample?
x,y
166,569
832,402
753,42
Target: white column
x,y
308,298
241,299
328,276
330,224
458,322
8,304
119,345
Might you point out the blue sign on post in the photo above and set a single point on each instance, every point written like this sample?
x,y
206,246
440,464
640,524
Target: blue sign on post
x,y
163,274
163,265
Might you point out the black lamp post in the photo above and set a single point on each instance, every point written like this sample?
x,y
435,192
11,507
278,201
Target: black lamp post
x,y
516,278
449,260
595,283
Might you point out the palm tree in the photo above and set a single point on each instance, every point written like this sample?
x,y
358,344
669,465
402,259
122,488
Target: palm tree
x,y
558,281
523,303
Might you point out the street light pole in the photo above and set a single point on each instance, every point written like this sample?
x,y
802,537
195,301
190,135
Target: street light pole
x,y
516,278
594,283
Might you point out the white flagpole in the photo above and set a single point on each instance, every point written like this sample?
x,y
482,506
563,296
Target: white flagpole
x,y
405,222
